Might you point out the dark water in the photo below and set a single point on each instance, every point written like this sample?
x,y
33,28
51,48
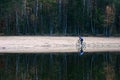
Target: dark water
x,y
60,66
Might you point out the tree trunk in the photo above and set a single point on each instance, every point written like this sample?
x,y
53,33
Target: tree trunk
x,y
7,26
60,14
17,23
36,15
41,18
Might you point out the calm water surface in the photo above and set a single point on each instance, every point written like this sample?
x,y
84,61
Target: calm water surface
x,y
60,66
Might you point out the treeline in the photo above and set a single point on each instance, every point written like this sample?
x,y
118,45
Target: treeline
x,y
60,17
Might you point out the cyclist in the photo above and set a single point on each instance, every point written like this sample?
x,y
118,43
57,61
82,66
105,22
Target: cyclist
x,y
81,40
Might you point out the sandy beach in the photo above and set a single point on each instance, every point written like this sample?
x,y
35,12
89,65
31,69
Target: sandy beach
x,y
45,44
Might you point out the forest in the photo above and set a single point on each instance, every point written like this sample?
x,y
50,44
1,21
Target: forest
x,y
60,17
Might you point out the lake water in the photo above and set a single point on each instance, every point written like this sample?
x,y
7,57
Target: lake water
x,y
60,66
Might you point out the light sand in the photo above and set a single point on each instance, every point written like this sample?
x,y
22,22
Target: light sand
x,y
45,44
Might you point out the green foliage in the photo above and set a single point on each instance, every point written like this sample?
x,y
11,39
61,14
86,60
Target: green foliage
x,y
73,16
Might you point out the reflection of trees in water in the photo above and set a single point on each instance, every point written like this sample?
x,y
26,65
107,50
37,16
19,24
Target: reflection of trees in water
x,y
60,66
109,67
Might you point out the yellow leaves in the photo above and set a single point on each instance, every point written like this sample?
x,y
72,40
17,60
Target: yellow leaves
x,y
109,72
32,17
28,9
109,10
110,14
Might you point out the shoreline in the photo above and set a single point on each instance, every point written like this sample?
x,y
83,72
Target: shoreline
x,y
48,44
